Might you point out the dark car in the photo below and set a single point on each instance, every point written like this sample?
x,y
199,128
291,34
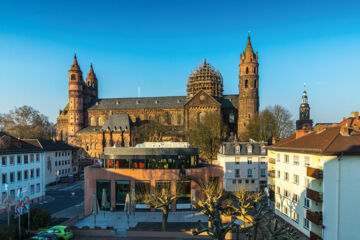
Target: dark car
x,y
44,236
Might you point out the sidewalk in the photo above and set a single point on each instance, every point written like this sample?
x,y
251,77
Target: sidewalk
x,y
118,220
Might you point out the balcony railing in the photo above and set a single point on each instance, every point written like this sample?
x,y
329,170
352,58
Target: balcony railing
x,y
314,172
272,160
237,175
315,217
313,195
272,173
314,236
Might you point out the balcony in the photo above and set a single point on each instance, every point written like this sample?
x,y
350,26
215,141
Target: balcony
x,y
272,160
314,236
313,195
314,173
315,217
271,173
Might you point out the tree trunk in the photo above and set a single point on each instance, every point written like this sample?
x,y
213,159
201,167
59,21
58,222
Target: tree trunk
x,y
164,220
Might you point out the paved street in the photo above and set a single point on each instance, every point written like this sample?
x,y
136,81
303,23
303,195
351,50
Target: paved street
x,y
60,201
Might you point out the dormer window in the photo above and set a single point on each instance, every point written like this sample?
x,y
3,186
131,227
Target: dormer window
x,y
249,148
263,149
237,149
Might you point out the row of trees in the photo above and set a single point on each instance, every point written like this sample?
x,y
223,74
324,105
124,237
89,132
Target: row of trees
x,y
249,207
26,122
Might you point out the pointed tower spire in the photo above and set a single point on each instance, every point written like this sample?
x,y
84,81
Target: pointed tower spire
x,y
75,66
249,50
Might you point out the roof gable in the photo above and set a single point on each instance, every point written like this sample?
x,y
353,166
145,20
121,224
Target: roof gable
x,y
202,98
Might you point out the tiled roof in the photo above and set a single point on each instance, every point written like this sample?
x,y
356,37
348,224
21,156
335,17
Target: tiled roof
x,y
50,145
10,145
228,148
227,101
329,141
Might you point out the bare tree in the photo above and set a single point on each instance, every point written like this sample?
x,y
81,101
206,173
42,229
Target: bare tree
x,y
26,122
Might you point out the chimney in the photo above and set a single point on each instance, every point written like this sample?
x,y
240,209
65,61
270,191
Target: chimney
x,y
303,132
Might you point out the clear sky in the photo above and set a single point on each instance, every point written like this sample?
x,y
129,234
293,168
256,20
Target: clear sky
x,y
155,44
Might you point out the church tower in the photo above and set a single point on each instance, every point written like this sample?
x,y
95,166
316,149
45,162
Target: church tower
x,y
91,85
248,88
76,101
304,113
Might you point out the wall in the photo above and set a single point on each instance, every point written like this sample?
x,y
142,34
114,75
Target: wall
x,y
51,168
341,196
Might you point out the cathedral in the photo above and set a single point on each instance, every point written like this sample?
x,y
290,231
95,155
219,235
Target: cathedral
x,y
93,123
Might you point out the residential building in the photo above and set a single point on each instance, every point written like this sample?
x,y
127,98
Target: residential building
x,y
22,167
316,177
61,159
244,164
145,169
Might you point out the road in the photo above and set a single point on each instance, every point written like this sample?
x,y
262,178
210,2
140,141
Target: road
x,y
60,200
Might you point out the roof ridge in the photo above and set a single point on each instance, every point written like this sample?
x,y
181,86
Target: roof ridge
x,y
332,140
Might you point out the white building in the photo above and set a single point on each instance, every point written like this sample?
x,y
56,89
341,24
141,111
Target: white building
x,y
316,181
244,164
60,159
22,167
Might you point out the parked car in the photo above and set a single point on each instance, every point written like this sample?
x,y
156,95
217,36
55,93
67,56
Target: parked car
x,y
61,232
44,236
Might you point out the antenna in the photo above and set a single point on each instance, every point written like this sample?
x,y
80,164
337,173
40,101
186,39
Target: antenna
x,y
138,91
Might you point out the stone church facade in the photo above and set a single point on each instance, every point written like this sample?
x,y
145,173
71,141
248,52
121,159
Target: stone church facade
x,y
93,123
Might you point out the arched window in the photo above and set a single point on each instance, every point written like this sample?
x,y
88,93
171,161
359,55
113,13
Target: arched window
x,y
92,121
99,121
237,149
201,117
249,148
247,70
172,120
246,83
73,77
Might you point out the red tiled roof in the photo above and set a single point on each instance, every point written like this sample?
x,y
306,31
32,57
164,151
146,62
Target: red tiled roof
x,y
329,141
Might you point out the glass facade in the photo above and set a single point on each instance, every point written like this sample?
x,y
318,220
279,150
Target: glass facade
x,y
100,185
121,189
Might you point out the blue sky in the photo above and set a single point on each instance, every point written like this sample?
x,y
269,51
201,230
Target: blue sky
x,y
155,44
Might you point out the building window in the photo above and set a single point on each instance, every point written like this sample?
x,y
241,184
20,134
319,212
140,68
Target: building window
x,y
249,148
231,118
56,163
12,162
32,189
38,172
246,83
278,174
296,179
38,187
37,158
19,159
12,177
278,190
286,176
295,198
237,172
249,160
19,175
73,77
237,149
295,216
307,182
99,121
278,157
286,193
263,149
4,178
239,181
306,223
263,172
31,158
306,203
246,181
201,117
3,161
277,205
26,159
286,210
237,160
307,161
31,173
286,158
234,181
25,174
296,160
249,173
